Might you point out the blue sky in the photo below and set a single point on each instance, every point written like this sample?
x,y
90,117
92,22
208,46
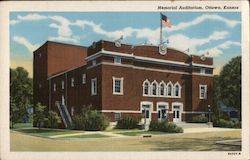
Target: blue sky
x,y
201,32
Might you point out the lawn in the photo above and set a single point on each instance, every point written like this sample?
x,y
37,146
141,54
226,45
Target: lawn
x,y
46,132
167,142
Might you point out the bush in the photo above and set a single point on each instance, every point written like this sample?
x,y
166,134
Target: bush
x,y
199,119
128,123
53,120
226,123
165,126
90,120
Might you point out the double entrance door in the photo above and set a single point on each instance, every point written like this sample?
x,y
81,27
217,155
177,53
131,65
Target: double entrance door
x,y
177,113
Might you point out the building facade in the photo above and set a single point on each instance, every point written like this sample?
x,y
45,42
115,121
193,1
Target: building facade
x,y
122,80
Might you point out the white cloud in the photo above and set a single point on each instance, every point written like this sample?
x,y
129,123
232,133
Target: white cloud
x,y
23,41
202,18
31,17
13,22
217,50
28,17
182,42
74,39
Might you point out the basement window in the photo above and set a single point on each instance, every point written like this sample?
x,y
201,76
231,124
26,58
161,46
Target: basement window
x,y
117,116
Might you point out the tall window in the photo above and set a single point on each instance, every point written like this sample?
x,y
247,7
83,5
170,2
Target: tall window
x,y
146,86
62,84
72,82
83,78
54,87
202,71
177,90
117,60
118,85
162,89
154,88
93,86
93,62
203,91
169,89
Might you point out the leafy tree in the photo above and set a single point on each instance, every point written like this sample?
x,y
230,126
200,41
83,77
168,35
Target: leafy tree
x,y
39,116
20,94
13,113
230,83
53,119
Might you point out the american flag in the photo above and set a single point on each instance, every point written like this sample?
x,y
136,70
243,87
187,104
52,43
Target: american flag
x,y
165,21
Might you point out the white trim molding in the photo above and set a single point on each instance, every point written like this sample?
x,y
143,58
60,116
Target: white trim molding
x,y
121,85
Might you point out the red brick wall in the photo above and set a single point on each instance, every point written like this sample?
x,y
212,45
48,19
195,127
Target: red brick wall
x,y
62,57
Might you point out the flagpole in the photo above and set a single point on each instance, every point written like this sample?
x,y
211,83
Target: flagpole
x,y
160,29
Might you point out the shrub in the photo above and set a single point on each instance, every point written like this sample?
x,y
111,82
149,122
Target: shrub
x,y
53,120
90,120
199,119
128,123
226,123
165,126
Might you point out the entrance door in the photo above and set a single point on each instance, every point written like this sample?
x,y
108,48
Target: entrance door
x,y
146,112
176,114
162,112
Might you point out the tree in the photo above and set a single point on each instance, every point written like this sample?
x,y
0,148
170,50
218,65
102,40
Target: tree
x,y
21,94
39,116
53,119
13,113
230,83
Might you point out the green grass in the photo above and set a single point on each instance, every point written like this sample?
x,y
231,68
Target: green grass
x,y
88,136
46,132
23,125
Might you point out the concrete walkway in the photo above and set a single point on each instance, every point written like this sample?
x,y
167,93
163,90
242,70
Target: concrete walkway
x,y
110,134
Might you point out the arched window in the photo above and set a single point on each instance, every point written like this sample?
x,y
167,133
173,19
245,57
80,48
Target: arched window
x,y
177,90
169,89
154,88
162,89
146,87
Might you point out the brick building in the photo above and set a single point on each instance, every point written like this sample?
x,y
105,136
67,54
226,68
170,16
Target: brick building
x,y
122,80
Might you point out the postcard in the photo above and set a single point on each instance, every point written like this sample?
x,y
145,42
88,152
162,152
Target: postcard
x,y
124,80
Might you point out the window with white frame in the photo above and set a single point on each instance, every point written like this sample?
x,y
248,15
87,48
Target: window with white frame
x,y
117,116
93,62
169,89
117,85
62,84
83,78
72,111
162,89
72,82
202,71
54,87
177,90
117,60
40,85
154,88
94,86
203,91
146,87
